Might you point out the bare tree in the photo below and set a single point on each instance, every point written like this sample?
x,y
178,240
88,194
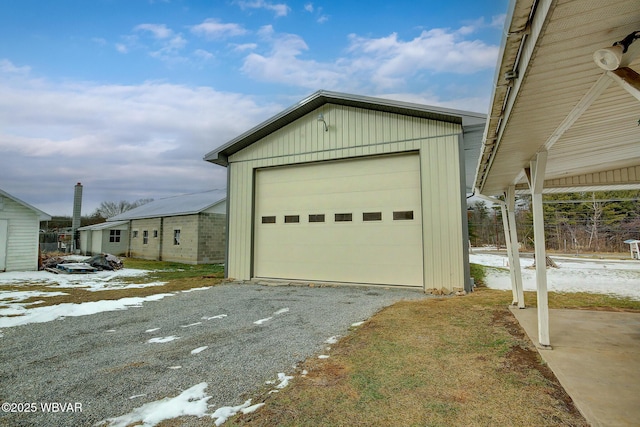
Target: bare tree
x,y
111,209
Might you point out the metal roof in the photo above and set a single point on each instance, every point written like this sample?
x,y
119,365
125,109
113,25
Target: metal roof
x,y
321,97
43,216
186,204
549,94
103,225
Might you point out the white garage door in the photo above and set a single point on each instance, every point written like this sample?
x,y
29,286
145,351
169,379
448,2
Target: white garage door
x,y
353,221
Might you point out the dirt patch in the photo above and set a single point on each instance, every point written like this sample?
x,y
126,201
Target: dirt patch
x,y
524,357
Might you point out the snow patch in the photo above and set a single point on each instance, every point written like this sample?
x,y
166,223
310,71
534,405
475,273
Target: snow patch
x,y
191,324
282,311
49,313
332,340
219,316
192,401
323,356
261,321
199,349
163,339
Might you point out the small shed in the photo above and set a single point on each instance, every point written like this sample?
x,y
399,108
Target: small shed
x,y
189,228
108,237
352,189
19,233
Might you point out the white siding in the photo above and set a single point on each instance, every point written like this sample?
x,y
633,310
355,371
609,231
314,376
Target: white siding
x,y
22,236
354,133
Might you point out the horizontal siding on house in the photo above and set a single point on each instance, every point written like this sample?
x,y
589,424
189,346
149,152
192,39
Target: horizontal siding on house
x,y
22,236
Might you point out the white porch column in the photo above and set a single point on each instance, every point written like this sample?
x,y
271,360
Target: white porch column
x,y
515,263
507,241
536,181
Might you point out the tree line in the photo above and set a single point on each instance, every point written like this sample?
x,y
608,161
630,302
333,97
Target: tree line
x,y
574,222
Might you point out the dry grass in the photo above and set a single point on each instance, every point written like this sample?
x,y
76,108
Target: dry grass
x,y
177,277
437,362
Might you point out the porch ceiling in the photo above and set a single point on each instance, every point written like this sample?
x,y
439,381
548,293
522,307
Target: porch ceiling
x,y
561,101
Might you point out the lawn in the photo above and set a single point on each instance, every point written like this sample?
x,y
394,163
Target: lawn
x,y
436,362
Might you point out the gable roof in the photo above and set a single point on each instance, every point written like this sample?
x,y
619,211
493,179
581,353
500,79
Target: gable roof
x,y
41,215
186,204
221,154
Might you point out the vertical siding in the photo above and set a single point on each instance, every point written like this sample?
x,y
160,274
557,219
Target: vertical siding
x,y
22,236
355,132
240,221
442,226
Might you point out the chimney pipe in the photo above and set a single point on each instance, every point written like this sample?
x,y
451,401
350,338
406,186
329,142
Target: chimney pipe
x,y
75,223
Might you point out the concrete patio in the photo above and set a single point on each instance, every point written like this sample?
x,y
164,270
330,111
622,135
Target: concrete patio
x,y
596,358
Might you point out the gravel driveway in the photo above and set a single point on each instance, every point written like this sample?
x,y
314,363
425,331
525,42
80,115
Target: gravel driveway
x,y
106,363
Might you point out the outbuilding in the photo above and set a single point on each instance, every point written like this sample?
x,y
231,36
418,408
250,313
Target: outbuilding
x,y
19,233
189,228
110,237
352,189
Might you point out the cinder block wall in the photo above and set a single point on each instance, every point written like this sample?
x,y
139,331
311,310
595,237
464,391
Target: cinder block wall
x,y
187,251
212,238
152,249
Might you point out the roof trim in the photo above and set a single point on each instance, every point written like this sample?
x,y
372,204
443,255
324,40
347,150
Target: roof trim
x,y
43,216
103,225
221,154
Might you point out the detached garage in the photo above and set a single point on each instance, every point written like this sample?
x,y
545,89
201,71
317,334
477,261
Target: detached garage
x,y
351,189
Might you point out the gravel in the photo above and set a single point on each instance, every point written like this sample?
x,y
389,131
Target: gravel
x,y
105,361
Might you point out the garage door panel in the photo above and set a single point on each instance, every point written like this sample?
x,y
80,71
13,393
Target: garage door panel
x,y
387,251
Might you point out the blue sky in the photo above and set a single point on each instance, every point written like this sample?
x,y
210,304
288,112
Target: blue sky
x,y
126,96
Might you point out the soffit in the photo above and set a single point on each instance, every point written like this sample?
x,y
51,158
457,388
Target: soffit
x,y
560,72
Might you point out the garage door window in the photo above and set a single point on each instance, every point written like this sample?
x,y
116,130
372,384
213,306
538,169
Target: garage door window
x,y
343,217
402,215
268,219
316,218
291,219
372,216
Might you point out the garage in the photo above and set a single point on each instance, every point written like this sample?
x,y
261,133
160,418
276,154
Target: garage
x,y
345,188
343,221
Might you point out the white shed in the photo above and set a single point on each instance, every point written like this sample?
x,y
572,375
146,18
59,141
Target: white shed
x,y
19,232
106,237
352,189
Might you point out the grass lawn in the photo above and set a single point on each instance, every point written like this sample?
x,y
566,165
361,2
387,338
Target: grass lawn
x,y
452,361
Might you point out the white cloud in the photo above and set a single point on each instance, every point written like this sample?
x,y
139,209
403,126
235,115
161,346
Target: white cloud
x,y
203,54
309,7
213,28
282,64
8,67
159,31
279,9
377,64
245,46
123,142
121,48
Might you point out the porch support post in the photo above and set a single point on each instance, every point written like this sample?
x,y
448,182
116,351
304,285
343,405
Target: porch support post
x,y
507,241
536,181
513,232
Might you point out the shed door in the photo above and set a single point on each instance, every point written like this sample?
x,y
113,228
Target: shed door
x,y
4,226
353,221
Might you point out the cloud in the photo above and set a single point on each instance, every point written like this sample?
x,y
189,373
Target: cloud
x,y
203,54
245,46
282,63
8,67
435,51
159,31
309,7
212,28
121,48
280,9
371,64
120,141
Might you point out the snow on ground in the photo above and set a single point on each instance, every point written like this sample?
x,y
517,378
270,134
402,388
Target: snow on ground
x,y
21,315
611,277
98,281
